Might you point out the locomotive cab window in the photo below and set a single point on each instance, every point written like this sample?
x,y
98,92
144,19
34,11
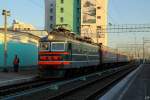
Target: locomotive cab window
x,y
57,46
44,46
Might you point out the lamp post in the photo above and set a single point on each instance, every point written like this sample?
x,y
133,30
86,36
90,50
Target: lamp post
x,y
145,41
143,50
5,13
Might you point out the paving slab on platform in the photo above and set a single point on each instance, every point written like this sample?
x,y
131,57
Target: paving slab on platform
x,y
8,78
140,87
135,86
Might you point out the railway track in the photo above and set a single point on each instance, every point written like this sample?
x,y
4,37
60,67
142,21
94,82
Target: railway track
x,y
12,89
69,90
93,89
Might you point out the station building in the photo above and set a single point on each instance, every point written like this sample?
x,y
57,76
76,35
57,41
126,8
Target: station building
x,y
25,27
23,40
87,18
24,44
20,26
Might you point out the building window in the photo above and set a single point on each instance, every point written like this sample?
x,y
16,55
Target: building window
x,y
51,25
51,18
99,27
62,10
61,19
78,11
78,2
98,17
78,20
98,7
51,5
51,10
62,1
78,29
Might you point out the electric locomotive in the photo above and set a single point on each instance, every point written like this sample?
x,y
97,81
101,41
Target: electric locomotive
x,y
59,55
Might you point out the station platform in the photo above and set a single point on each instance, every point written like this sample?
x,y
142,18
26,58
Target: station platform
x,y
10,78
135,86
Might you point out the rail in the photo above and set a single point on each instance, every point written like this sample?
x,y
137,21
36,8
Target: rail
x,y
89,89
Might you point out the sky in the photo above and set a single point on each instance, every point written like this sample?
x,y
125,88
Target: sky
x,y
129,11
28,11
119,12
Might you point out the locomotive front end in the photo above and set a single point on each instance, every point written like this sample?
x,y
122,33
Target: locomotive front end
x,y
53,57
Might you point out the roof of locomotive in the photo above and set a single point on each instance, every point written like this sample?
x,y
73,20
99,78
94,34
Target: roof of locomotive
x,y
66,36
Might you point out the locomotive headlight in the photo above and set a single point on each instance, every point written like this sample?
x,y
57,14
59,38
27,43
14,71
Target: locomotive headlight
x,y
50,37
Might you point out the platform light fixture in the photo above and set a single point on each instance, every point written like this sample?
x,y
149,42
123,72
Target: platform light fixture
x,y
5,13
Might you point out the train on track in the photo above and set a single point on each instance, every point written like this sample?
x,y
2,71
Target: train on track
x,y
63,54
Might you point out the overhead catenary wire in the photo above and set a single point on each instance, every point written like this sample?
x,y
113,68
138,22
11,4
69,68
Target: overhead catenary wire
x,y
36,4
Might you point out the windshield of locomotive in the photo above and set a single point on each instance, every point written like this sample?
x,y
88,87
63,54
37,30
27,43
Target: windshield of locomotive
x,y
57,46
44,46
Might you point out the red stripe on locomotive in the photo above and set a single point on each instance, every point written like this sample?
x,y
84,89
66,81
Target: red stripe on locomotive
x,y
52,59
54,63
64,53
